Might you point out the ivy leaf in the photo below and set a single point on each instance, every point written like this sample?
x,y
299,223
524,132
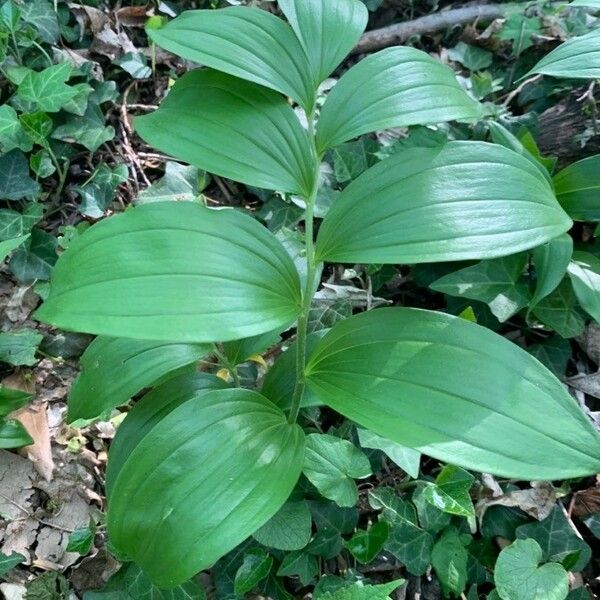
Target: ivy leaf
x,y
179,183
15,182
366,545
558,311
36,258
518,575
449,559
495,282
406,458
82,540
19,347
11,132
554,353
331,465
431,518
256,566
135,64
88,130
302,564
520,30
289,529
98,192
14,224
7,246
37,126
557,539
47,89
450,492
9,561
131,583
471,57
40,14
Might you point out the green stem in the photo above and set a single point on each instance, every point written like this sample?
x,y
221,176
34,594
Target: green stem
x,y
227,365
62,175
311,269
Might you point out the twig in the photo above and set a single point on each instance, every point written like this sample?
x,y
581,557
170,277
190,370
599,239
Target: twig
x,y
32,516
397,33
517,90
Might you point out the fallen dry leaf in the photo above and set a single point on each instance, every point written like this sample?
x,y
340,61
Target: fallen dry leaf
x,y
35,420
133,16
537,501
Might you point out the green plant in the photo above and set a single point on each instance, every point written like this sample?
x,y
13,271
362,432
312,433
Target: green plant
x,y
198,466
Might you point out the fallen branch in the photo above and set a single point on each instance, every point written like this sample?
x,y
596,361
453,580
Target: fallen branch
x,y
399,32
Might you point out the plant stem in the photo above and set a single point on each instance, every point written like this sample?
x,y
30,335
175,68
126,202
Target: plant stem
x,y
311,268
232,369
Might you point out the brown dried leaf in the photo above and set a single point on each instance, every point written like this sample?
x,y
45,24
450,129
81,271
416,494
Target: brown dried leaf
x,y
35,420
538,501
133,16
89,17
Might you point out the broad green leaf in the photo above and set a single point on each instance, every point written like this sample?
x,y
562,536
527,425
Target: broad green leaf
x,y
558,311
578,189
551,261
584,271
131,583
401,372
501,135
557,538
289,529
406,458
15,182
13,434
203,479
590,3
450,492
47,89
149,411
301,564
256,566
233,128
246,42
180,182
331,465
326,29
518,575
577,58
19,347
366,545
361,591
449,559
174,271
7,246
11,400
396,87
497,282
460,201
9,561
115,369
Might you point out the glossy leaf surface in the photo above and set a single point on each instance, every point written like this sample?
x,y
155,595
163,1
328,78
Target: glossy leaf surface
x,y
233,128
396,87
577,58
453,390
13,434
585,277
460,201
174,271
551,261
327,30
150,410
245,42
114,369
201,481
578,189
